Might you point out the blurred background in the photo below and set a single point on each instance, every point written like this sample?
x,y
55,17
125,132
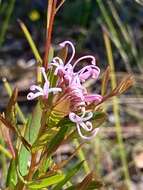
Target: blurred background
x,y
116,154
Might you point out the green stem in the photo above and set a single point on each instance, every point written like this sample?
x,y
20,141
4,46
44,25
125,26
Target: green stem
x,y
5,151
3,161
116,110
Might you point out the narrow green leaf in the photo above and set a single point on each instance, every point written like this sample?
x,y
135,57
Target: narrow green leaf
x,y
44,139
12,175
72,172
31,42
31,134
24,156
35,123
38,184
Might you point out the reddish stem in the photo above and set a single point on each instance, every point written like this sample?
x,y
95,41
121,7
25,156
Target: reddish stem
x,y
49,34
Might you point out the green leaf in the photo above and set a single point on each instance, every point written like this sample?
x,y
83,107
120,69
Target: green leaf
x,y
44,139
24,156
38,184
31,134
56,140
35,123
72,172
12,175
58,112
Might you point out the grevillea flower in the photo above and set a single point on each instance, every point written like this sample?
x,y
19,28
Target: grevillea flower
x,y
83,123
42,91
71,82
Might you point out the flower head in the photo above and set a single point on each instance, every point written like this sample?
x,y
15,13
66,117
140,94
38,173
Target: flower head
x,y
70,82
42,91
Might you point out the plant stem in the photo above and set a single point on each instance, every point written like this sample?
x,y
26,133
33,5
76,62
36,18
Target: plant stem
x,y
116,110
32,166
50,20
3,161
5,151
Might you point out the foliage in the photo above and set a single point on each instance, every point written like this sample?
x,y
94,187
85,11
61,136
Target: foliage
x,y
51,124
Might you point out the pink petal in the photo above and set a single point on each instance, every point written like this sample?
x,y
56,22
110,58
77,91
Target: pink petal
x,y
93,98
89,71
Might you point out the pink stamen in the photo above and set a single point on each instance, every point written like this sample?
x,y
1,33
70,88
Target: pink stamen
x,y
63,44
85,57
42,91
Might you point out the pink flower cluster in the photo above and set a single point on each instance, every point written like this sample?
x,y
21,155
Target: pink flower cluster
x,y
70,82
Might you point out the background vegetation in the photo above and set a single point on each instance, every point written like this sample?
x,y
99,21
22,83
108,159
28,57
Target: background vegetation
x,y
113,32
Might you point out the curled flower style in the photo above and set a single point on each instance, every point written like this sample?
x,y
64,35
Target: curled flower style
x,y
82,122
64,70
42,91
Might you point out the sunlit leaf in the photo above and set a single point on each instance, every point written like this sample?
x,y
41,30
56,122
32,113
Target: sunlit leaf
x,y
58,112
31,42
44,139
39,184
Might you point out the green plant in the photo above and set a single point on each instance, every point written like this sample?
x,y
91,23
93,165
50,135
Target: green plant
x,y
63,105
